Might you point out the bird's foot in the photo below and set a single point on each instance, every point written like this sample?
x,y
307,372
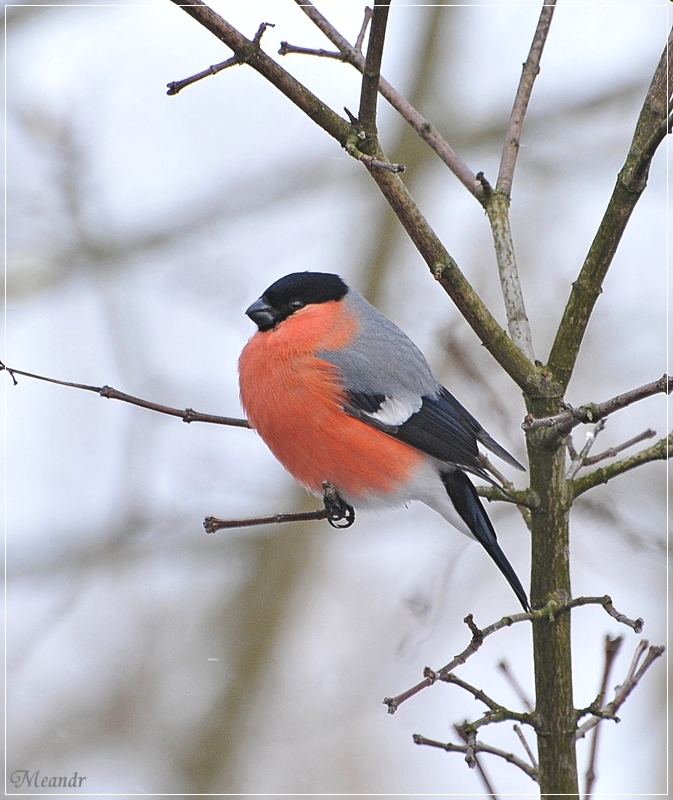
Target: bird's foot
x,y
339,513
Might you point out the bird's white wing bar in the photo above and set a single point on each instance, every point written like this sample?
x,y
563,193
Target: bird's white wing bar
x,y
396,410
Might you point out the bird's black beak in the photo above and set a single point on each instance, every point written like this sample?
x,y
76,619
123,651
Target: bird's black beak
x,y
262,314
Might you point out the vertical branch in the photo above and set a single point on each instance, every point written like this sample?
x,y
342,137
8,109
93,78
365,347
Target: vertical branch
x,y
372,71
530,71
497,205
497,209
611,649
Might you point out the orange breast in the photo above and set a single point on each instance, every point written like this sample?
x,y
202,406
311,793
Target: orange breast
x,y
294,400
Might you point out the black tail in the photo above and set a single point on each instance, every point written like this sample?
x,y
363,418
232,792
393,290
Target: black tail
x,y
464,497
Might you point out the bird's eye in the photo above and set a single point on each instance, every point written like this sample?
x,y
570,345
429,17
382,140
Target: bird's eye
x,y
296,304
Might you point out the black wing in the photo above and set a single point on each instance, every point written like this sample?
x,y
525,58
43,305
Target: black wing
x,y
441,428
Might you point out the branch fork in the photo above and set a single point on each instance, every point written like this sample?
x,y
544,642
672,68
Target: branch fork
x,y
238,58
549,611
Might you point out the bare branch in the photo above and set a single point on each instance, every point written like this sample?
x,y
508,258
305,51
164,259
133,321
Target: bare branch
x,y
611,649
448,274
526,746
186,415
440,262
613,451
572,452
662,450
423,128
530,71
506,670
523,501
497,202
175,86
650,130
496,713
571,417
286,48
624,690
469,736
517,497
550,610
497,209
365,22
606,602
370,77
336,511
480,695
250,52
479,747
581,457
213,524
472,760
374,163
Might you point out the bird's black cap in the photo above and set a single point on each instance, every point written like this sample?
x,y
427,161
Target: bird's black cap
x,y
293,292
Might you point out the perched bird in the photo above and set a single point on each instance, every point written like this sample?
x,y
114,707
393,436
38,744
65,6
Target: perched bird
x,y
339,393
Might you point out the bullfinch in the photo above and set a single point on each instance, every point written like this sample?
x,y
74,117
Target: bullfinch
x,y
339,393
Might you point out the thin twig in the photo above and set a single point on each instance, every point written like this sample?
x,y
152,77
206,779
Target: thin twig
x,y
213,524
374,163
624,690
508,494
572,452
519,732
416,120
486,463
469,736
570,417
613,451
336,511
578,462
252,54
186,414
497,202
175,86
480,747
496,713
529,73
521,498
611,649
606,601
478,694
286,48
460,730
550,610
506,670
661,450
363,30
638,653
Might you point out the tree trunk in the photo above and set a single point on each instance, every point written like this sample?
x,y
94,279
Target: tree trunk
x,y
550,579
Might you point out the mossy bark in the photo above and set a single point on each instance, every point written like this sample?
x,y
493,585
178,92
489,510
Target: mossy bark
x,y
550,579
